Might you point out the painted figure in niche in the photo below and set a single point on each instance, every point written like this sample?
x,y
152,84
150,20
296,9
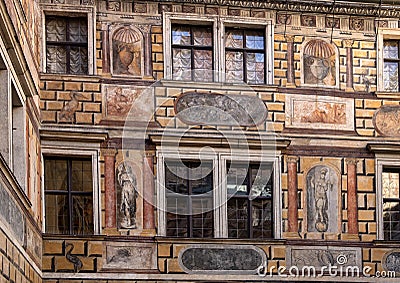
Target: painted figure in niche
x,y
128,186
319,63
120,101
127,52
320,187
331,113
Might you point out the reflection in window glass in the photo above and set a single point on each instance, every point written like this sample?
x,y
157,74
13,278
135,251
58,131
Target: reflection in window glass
x,y
189,197
68,196
250,200
391,204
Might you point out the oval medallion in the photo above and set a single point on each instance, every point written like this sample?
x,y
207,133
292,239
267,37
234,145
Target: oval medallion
x,y
387,121
391,262
221,259
200,108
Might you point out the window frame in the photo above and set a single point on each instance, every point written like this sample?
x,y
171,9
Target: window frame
x,y
67,44
66,11
66,151
382,162
192,47
219,23
383,35
220,160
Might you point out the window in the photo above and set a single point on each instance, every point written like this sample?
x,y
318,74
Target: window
x,y
192,54
218,197
245,55
249,200
391,62
216,48
391,203
68,190
189,199
66,45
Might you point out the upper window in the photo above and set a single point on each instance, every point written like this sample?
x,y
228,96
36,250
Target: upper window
x,y
391,61
391,203
217,49
245,55
192,53
68,196
66,45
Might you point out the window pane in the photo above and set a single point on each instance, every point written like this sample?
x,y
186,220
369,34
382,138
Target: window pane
x,y
201,179
255,68
234,66
255,40
181,63
391,220
391,76
79,60
78,30
202,36
238,218
55,175
176,178
56,29
261,182
390,50
81,176
390,182
181,35
57,216
177,225
234,39
261,218
56,57
237,179
203,65
82,215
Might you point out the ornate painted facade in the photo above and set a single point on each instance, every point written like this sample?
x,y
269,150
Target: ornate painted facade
x,y
199,141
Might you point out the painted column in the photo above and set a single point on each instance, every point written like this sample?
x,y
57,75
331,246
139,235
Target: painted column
x,y
105,49
352,212
110,194
148,193
292,194
348,44
290,61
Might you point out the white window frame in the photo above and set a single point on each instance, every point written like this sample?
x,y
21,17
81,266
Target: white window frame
x,y
380,162
218,24
65,11
72,152
219,160
384,34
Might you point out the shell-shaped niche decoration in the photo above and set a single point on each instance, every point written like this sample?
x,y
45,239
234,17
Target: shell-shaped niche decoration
x,y
127,54
319,63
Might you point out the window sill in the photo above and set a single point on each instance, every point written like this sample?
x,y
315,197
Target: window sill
x,y
164,239
214,85
386,94
68,77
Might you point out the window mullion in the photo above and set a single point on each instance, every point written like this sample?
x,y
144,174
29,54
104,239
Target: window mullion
x,y
69,188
